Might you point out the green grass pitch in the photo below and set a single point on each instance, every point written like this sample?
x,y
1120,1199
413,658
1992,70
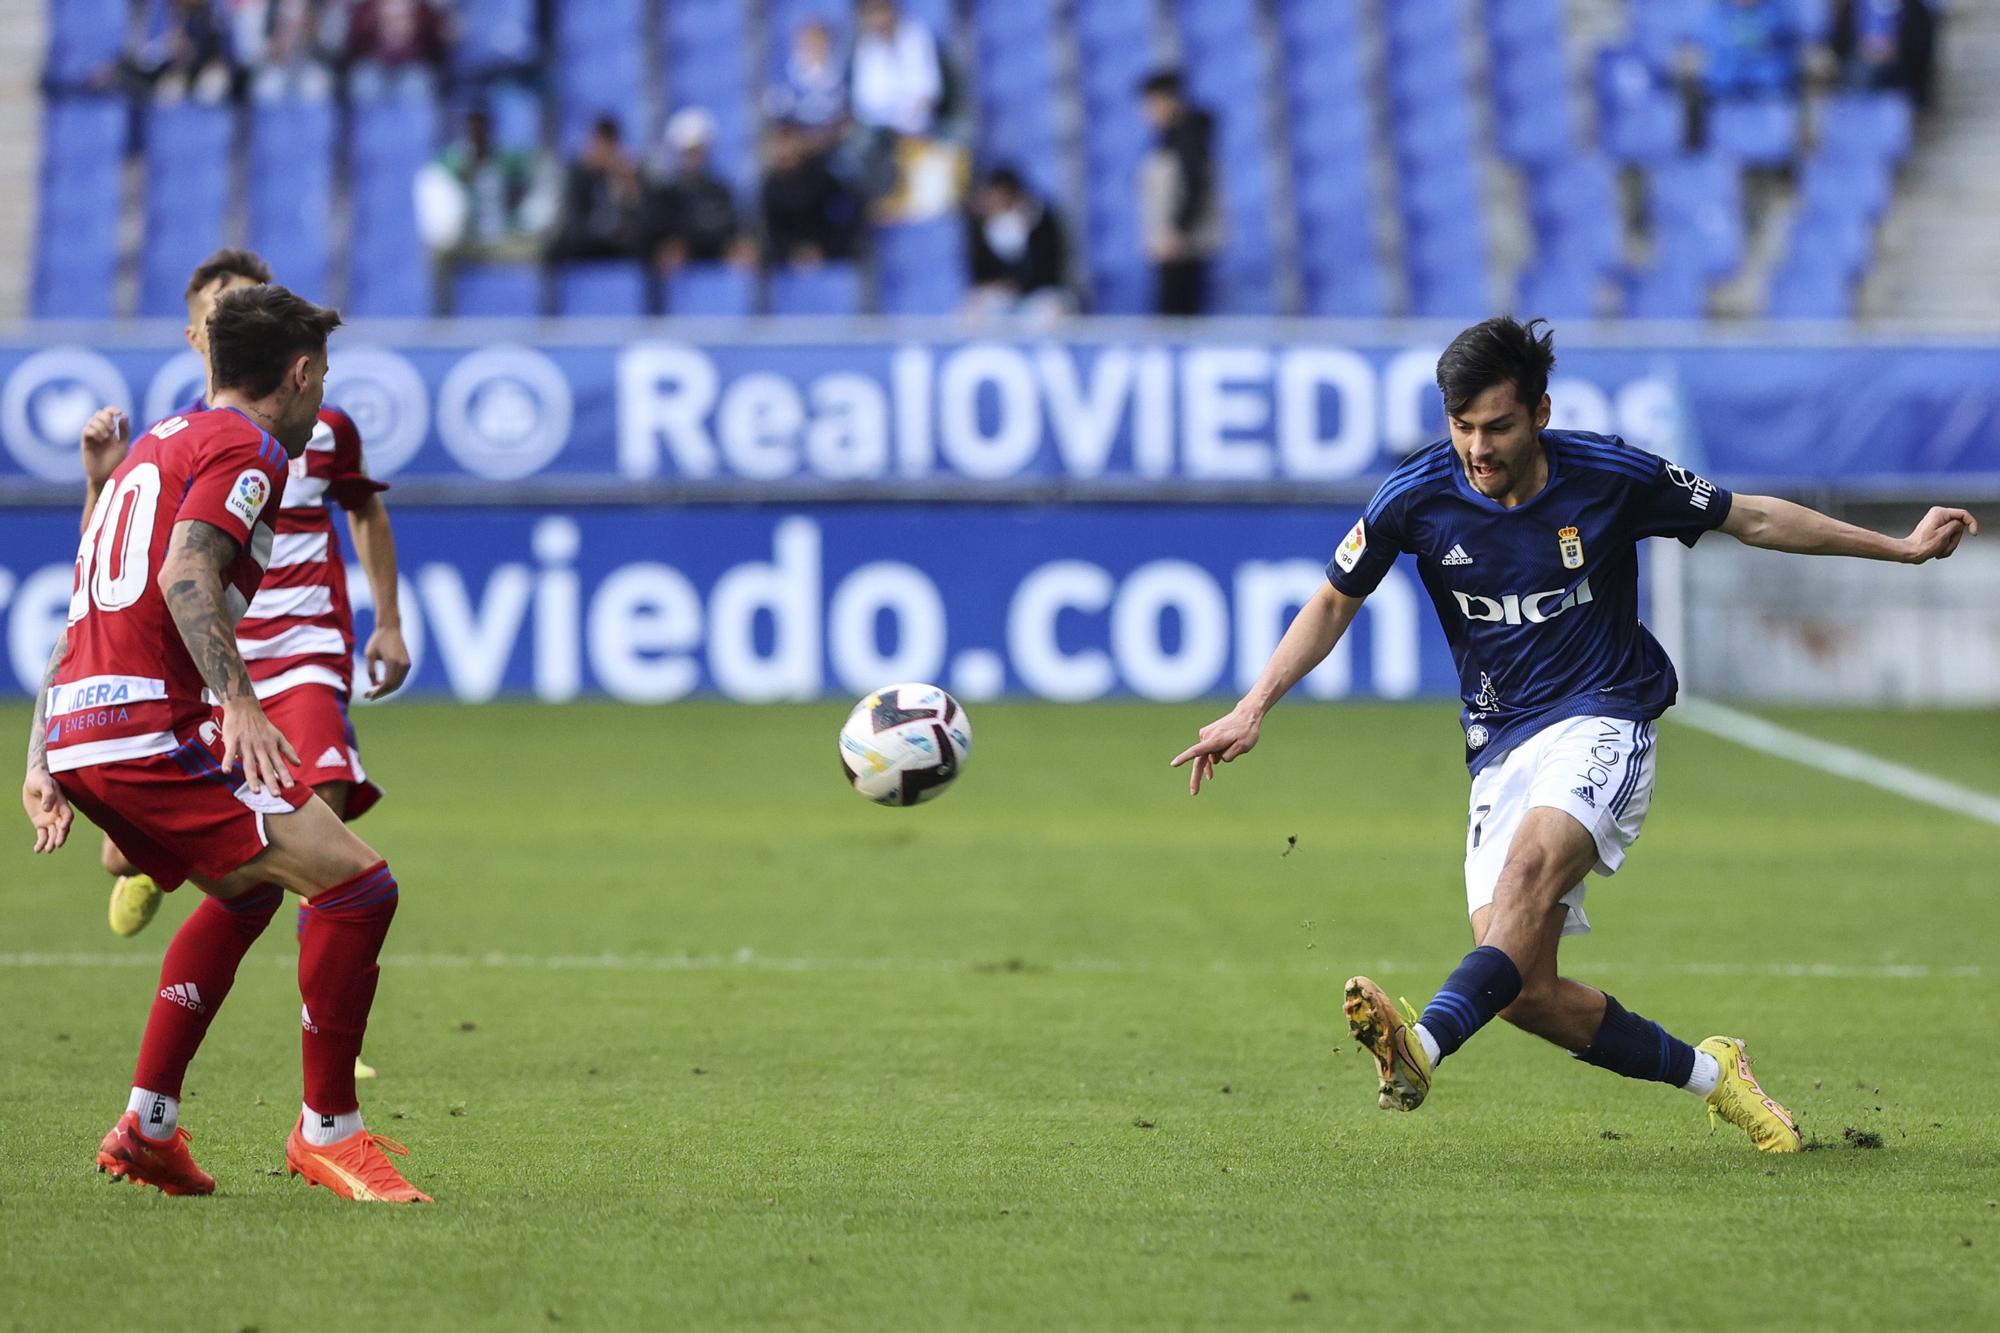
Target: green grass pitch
x,y
682,1033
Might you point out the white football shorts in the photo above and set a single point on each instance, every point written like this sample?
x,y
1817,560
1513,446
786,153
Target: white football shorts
x,y
1597,770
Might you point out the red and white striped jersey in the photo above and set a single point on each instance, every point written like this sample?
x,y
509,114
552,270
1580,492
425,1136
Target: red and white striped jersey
x,y
299,629
127,683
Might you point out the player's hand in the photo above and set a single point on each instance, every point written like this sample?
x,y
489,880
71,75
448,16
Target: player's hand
x,y
106,436
1227,738
48,809
387,660
1939,534
253,740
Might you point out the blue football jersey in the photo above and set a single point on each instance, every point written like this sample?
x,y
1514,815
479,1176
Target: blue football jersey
x,y
1540,603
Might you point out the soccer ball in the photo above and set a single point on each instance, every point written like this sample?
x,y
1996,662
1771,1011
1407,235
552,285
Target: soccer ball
x,y
904,744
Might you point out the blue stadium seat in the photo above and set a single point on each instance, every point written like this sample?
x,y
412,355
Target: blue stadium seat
x,y
712,291
85,37
600,51
1351,289
1662,28
496,35
1669,290
189,148
1854,187
1695,204
388,269
1558,289
609,288
1845,244
76,246
290,187
1756,131
1516,27
920,267
1643,127
517,116
1014,50
496,291
1807,292
828,290
702,45
1866,125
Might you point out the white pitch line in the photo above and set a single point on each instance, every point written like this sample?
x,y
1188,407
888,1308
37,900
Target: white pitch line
x,y
744,960
1770,738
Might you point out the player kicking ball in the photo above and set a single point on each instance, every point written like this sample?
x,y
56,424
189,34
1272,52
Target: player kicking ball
x,y
170,559
1527,541
297,638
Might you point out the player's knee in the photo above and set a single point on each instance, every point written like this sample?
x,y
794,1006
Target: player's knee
x,y
114,861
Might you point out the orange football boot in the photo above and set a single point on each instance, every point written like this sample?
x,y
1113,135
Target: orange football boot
x,y
357,1167
165,1164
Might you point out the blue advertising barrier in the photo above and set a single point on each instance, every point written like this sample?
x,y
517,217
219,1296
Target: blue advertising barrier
x,y
760,603
1096,408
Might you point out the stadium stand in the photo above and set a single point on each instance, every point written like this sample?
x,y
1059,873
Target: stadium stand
x,y
1358,143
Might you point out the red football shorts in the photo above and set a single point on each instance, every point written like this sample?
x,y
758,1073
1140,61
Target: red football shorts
x,y
179,814
314,720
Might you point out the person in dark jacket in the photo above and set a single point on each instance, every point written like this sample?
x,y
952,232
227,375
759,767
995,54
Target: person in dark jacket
x,y
809,214
1180,219
690,211
600,211
1017,251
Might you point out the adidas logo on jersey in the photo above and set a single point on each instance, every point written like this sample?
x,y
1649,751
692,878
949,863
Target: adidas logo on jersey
x,y
1456,556
1588,795
333,758
184,994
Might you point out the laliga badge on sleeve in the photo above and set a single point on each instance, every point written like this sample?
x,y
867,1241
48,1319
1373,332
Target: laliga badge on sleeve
x,y
247,496
1572,547
1351,549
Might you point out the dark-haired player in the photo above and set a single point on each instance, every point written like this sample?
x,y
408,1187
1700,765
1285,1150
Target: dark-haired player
x,y
298,635
1527,541
169,561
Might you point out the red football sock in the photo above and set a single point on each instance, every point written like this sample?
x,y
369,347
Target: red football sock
x,y
337,971
195,978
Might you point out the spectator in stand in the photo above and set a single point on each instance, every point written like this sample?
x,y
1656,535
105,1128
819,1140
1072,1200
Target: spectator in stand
x,y
1889,44
812,93
1180,220
690,211
480,202
601,200
396,48
287,46
809,215
186,54
1751,48
897,88
1018,253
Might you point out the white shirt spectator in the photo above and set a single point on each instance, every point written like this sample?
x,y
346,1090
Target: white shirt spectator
x,y
897,81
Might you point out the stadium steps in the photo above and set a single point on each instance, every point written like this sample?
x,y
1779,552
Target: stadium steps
x,y
1940,244
21,45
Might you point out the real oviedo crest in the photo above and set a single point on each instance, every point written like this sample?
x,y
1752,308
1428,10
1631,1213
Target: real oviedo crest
x,y
1572,547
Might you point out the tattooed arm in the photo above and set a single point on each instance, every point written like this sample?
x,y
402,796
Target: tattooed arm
x,y
191,579
47,807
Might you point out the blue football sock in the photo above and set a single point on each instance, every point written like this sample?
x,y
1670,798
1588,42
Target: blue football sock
x,y
1478,988
1638,1048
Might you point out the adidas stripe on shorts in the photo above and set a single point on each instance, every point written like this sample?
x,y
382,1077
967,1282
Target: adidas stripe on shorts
x,y
1598,770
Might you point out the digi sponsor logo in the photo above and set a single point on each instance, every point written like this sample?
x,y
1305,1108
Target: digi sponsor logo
x,y
1700,490
1522,608
45,403
504,412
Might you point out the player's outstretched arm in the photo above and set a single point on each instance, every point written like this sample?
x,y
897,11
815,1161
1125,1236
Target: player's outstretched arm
x,y
1780,525
106,440
1312,635
191,581
386,658
47,807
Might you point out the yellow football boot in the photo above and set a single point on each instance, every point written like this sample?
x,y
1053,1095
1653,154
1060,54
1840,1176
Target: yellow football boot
x,y
1739,1100
362,1069
1400,1062
134,899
